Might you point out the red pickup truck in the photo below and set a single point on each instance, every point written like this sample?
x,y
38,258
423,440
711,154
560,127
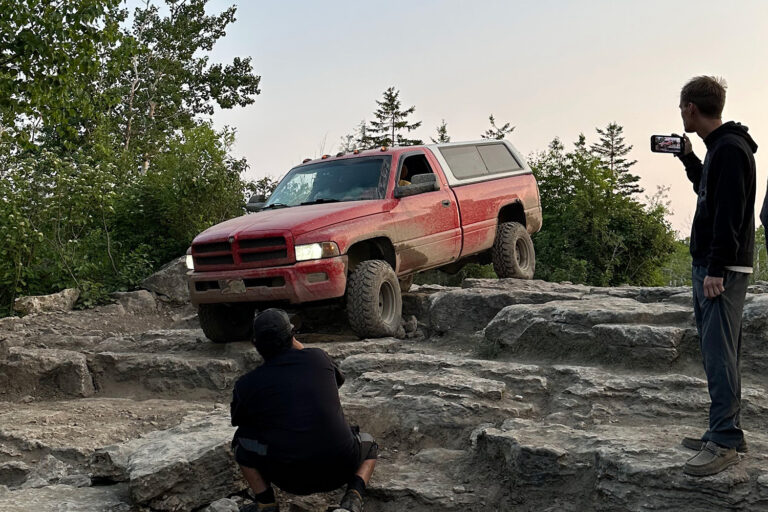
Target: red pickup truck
x,y
356,227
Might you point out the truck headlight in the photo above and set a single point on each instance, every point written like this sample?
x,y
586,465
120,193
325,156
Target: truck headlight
x,y
190,262
316,251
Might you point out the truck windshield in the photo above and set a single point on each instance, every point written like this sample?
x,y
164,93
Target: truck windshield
x,y
353,179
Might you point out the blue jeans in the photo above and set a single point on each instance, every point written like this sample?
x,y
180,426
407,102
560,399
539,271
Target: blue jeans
x,y
718,321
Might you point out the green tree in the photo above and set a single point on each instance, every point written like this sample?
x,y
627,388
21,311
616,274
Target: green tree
x,y
170,81
53,59
389,123
442,134
612,150
262,187
591,236
496,132
347,143
84,106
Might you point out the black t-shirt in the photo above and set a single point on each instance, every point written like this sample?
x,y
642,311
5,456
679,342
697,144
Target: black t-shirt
x,y
291,404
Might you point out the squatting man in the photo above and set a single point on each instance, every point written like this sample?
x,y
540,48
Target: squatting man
x,y
291,429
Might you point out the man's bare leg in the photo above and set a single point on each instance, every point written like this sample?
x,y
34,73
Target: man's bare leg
x,y
254,479
366,470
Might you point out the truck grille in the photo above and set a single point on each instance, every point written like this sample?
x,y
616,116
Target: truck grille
x,y
247,253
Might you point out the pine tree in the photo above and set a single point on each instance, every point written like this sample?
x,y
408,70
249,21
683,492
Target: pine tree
x,y
442,134
390,121
347,143
494,132
363,139
611,151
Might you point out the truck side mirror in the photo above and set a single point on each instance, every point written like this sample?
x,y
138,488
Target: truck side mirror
x,y
255,203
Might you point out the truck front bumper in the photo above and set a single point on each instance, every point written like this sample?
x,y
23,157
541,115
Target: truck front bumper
x,y
306,281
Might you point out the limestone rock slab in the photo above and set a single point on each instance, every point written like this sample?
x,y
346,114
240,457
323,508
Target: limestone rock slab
x,y
44,373
165,469
60,301
65,498
170,281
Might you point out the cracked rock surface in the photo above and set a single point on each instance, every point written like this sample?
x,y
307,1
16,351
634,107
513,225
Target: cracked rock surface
x,y
508,395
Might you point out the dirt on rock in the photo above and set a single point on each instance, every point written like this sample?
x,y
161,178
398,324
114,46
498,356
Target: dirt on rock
x,y
507,395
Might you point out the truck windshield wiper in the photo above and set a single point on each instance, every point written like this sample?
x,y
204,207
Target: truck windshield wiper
x,y
322,200
276,205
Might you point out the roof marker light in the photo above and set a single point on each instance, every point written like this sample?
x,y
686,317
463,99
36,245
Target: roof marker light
x,y
340,153
356,152
306,160
324,157
383,148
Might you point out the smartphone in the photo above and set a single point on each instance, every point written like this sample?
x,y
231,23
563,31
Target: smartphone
x,y
667,144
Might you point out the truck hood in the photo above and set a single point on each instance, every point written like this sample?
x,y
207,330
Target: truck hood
x,y
297,219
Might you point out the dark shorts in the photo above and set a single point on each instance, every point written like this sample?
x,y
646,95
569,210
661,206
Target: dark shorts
x,y
308,476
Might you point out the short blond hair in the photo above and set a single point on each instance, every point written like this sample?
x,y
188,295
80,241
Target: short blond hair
x,y
707,93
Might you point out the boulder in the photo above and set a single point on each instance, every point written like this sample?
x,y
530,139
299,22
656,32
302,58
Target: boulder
x,y
478,306
608,467
43,373
170,282
61,301
140,302
160,373
616,331
165,470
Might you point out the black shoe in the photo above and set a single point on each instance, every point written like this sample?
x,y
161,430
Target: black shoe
x,y
351,502
697,444
711,460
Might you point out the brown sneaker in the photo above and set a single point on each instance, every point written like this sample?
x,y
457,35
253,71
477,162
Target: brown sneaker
x,y
351,502
711,460
695,444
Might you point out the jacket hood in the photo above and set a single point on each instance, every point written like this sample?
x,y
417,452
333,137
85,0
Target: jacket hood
x,y
297,219
732,128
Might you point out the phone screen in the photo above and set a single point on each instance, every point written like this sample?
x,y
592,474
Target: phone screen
x,y
666,144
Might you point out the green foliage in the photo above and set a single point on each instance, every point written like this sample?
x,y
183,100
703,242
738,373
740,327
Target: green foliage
x,y
190,186
591,235
52,62
760,266
262,188
389,122
442,134
108,168
496,132
468,271
677,270
611,151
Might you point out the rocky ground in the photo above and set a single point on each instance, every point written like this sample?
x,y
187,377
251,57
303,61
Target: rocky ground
x,y
506,395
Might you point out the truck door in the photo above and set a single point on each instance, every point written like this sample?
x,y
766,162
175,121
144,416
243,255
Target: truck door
x,y
427,224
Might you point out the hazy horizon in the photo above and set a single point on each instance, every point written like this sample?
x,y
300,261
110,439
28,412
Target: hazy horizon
x,y
551,70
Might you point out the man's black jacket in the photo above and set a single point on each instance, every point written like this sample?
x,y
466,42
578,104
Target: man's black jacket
x,y
723,231
291,405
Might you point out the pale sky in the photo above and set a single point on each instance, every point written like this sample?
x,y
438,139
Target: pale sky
x,y
551,68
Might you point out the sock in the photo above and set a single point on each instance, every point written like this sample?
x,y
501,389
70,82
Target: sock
x,y
357,484
265,497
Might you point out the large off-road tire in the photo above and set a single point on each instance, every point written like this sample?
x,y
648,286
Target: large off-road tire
x,y
374,303
405,283
512,253
222,323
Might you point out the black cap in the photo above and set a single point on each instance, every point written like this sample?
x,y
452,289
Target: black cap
x,y
272,324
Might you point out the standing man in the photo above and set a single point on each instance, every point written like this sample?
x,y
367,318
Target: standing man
x,y
722,246
291,429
